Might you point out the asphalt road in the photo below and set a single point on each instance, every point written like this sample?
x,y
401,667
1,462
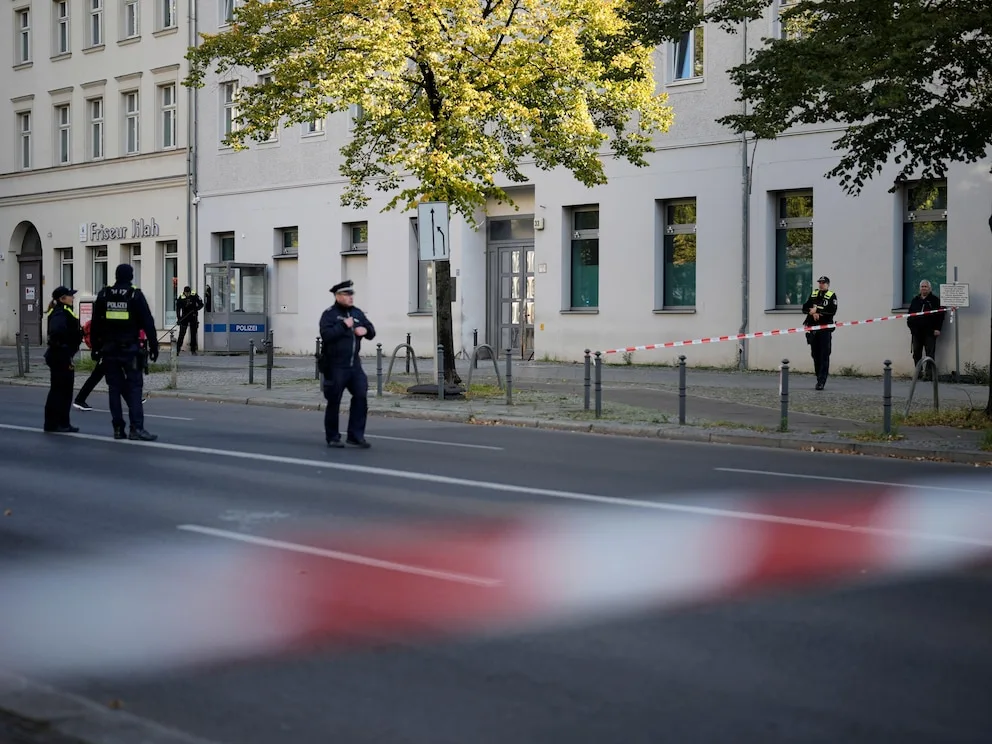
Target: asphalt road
x,y
904,662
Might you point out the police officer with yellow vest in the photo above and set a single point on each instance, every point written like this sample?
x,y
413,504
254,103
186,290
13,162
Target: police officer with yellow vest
x,y
120,313
64,338
820,309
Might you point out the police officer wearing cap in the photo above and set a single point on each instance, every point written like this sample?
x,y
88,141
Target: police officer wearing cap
x,y
820,309
120,314
342,328
64,338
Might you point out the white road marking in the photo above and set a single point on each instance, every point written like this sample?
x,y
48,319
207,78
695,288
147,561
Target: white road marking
x,y
890,484
147,415
336,555
525,490
433,441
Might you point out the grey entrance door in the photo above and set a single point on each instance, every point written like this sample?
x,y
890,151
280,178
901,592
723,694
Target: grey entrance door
x,y
32,303
516,299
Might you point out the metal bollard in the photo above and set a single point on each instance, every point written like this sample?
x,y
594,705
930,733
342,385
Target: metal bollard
x,y
251,362
509,377
27,352
599,384
20,358
408,353
173,361
682,390
587,381
378,370
316,361
270,352
887,397
475,346
783,389
440,372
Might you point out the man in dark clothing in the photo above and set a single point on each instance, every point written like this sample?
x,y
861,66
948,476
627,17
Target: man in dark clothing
x,y
188,305
64,338
342,328
924,329
120,314
820,309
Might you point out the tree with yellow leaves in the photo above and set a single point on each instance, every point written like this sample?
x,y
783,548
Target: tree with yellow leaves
x,y
454,95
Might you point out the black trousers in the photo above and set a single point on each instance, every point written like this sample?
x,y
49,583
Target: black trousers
x,y
819,349
924,343
59,401
193,326
125,380
353,380
91,382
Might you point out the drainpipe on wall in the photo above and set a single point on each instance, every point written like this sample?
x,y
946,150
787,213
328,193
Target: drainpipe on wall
x,y
192,243
745,231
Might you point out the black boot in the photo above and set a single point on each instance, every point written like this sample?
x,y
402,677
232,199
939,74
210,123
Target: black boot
x,y
140,435
119,433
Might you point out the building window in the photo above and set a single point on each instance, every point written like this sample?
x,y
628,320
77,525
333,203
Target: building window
x,y
796,25
23,27
793,249
585,258
64,135
132,254
96,22
688,53
96,128
167,96
679,277
226,244
290,243
62,37
100,274
311,128
130,26
924,237
170,281
272,136
424,272
227,8
355,114
24,138
131,122
167,14
65,264
358,237
229,95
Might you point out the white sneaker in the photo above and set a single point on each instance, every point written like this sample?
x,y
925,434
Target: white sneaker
x,y
82,406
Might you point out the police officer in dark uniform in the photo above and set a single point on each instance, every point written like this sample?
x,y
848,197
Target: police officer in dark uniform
x,y
120,313
64,338
820,309
342,328
188,306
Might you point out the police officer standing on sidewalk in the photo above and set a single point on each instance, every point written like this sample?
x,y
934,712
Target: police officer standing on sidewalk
x,y
64,338
820,309
120,313
342,328
188,306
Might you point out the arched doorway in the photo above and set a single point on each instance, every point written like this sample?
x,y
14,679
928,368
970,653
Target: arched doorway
x,y
31,293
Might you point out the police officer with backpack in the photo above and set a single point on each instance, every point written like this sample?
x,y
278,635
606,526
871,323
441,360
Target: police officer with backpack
x,y
120,314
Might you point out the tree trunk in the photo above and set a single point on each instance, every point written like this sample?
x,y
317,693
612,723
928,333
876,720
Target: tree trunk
x,y
445,334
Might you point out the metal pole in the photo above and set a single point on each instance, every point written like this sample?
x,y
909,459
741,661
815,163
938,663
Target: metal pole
x,y
20,358
509,377
378,370
268,361
587,383
887,397
957,347
682,390
251,362
783,387
440,372
475,346
599,384
27,353
316,361
173,361
408,353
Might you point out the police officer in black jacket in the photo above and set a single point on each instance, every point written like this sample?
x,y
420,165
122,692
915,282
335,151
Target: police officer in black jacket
x,y
188,307
120,313
820,309
64,338
342,328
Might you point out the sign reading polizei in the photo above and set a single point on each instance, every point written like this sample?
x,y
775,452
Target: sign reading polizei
x,y
97,232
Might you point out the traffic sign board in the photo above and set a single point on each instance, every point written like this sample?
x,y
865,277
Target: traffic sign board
x,y
432,225
954,295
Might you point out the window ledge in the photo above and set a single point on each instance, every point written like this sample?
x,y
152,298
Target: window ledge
x,y
165,32
23,66
675,311
92,49
313,136
284,256
420,314
797,310
60,57
129,40
686,81
901,309
580,311
350,252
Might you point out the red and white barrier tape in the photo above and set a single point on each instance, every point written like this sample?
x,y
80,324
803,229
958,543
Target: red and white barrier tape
x,y
153,609
764,334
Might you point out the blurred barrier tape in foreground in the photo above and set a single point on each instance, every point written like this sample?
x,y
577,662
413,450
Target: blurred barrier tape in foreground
x,y
201,599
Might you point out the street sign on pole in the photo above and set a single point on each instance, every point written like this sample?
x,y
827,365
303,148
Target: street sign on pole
x,y
432,224
954,295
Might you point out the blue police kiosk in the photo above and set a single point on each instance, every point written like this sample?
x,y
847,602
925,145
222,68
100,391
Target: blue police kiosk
x,y
235,306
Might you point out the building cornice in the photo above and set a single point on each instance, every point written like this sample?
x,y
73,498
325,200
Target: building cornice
x,y
22,99
88,192
166,68
94,84
129,77
60,91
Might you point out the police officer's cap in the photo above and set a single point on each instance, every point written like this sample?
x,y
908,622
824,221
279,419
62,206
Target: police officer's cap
x,y
824,279
62,292
344,287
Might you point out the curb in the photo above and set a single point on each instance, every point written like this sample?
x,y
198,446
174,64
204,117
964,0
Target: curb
x,y
78,720
871,449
